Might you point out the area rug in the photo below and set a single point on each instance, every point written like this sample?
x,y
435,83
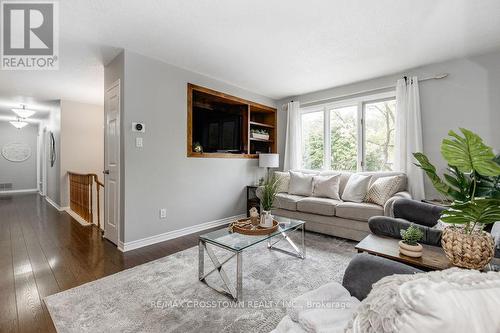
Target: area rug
x,y
166,296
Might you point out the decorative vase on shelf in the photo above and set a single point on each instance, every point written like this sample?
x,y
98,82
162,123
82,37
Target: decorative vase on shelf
x,y
414,251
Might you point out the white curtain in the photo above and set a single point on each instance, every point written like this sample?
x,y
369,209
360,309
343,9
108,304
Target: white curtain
x,y
292,140
409,134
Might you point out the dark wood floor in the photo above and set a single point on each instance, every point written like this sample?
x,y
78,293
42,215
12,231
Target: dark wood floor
x,y
44,251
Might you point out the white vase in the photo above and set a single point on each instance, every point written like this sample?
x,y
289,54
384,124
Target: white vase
x,y
266,219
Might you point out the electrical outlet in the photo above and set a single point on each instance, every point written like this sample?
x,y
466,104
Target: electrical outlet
x,y
163,213
138,142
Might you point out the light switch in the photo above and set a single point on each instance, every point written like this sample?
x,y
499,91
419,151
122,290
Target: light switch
x,y
138,142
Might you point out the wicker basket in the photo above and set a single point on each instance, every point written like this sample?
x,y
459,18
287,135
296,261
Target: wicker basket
x,y
468,251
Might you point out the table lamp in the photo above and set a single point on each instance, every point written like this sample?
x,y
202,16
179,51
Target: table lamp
x,y
269,161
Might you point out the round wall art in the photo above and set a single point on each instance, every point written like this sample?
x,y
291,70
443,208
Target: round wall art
x,y
16,152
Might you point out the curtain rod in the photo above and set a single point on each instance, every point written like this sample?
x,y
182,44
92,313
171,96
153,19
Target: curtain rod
x,y
321,101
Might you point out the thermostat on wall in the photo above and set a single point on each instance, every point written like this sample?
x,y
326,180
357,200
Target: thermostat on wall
x,y
138,127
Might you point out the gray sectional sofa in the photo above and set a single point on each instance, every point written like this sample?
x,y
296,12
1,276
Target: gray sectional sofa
x,y
333,217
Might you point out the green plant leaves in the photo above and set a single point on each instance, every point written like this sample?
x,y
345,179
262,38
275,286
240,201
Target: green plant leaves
x,y
484,211
430,170
469,154
270,189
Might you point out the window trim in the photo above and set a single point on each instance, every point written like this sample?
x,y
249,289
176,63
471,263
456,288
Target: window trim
x,y
360,103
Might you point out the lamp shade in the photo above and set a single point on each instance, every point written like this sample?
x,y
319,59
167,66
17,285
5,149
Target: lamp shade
x,y
269,160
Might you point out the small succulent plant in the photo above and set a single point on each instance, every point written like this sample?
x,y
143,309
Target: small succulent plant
x,y
412,235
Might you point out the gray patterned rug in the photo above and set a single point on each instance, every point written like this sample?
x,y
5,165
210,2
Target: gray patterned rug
x,y
166,296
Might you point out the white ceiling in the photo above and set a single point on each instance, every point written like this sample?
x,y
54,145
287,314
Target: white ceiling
x,y
275,48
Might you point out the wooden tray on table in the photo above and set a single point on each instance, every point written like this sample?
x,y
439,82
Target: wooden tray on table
x,y
245,227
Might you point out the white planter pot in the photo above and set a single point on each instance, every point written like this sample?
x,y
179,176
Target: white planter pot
x,y
414,251
266,219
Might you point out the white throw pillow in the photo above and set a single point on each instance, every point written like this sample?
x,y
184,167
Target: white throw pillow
x,y
284,181
450,301
356,188
327,186
300,184
383,188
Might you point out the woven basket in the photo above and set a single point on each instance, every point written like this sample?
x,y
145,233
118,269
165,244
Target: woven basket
x,y
468,251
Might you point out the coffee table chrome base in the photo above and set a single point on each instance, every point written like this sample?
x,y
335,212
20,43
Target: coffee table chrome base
x,y
235,292
228,289
299,253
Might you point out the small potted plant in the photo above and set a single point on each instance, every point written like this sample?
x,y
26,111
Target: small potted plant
x,y
409,245
269,191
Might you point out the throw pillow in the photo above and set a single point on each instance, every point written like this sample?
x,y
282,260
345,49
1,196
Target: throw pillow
x,y
284,181
300,184
428,302
327,186
383,188
356,188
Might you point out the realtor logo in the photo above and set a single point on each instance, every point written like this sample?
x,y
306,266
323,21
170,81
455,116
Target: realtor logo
x,y
30,35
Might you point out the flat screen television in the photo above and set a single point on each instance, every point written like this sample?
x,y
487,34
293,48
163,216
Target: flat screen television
x,y
218,131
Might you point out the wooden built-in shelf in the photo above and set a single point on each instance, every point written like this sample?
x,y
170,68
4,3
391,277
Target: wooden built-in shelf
x,y
247,114
261,124
261,140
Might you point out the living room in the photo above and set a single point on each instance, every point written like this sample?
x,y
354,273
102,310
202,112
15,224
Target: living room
x,y
261,172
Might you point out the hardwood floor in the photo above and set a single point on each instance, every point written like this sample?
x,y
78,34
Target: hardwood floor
x,y
44,251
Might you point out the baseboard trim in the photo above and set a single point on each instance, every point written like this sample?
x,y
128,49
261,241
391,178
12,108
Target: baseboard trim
x,y
31,190
128,246
56,206
77,217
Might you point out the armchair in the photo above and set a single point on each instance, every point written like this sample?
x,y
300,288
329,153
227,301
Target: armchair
x,y
406,213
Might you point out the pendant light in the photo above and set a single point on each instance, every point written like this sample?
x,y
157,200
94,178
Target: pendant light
x,y
18,123
23,113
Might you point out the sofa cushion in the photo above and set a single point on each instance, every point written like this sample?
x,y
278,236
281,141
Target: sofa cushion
x,y
356,188
383,188
326,186
320,206
344,177
284,181
380,174
287,201
360,211
300,184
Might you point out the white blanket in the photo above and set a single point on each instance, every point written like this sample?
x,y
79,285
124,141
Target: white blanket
x,y
328,320
328,293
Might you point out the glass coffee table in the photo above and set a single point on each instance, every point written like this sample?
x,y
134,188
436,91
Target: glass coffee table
x,y
236,243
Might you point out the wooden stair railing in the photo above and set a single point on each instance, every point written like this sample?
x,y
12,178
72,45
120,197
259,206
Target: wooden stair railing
x,y
81,196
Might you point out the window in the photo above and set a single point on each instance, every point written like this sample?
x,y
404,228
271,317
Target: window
x,y
353,135
312,140
379,135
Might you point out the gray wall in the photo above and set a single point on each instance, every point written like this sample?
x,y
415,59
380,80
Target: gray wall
x,y
22,175
193,190
469,97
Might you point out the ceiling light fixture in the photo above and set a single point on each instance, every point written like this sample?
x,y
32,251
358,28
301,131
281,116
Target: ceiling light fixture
x,y
18,123
24,113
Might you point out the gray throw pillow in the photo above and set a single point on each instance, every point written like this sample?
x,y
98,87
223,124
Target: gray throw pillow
x,y
300,184
327,186
356,188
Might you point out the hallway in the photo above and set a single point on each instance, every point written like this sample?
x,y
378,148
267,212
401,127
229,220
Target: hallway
x,y
44,251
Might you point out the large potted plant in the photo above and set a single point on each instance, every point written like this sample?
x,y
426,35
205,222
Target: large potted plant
x,y
472,181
